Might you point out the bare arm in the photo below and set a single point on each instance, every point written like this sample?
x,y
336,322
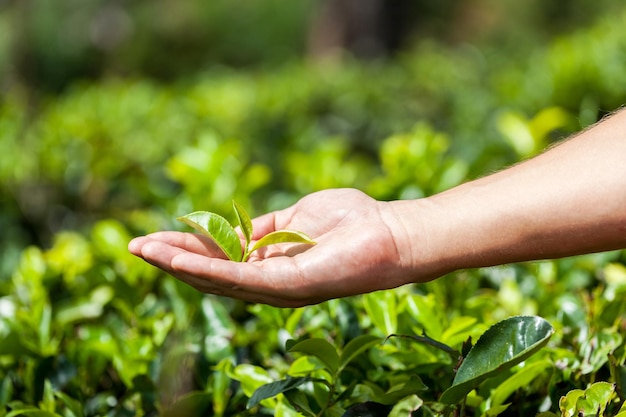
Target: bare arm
x,y
567,201
570,200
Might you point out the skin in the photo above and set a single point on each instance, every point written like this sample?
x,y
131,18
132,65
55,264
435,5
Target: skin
x,y
570,200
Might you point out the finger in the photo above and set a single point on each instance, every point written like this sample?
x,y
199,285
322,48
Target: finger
x,y
158,253
263,225
275,279
135,245
237,280
190,242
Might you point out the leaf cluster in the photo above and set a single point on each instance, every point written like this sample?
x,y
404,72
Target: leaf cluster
x,y
224,235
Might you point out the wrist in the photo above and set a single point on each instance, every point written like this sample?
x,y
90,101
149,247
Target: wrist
x,y
420,243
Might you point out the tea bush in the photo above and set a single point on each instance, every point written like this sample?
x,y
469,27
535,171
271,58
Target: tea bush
x,y
86,329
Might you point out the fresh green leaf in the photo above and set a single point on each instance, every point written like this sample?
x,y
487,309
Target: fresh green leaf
x,y
251,377
406,406
568,404
595,399
397,392
72,404
282,236
217,228
502,346
355,347
382,308
496,410
321,349
299,401
518,380
221,387
244,221
274,388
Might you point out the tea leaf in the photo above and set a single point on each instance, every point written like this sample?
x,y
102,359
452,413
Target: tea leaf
x,y
282,236
217,228
502,346
406,406
397,392
321,349
355,347
274,388
596,398
244,221
519,380
299,401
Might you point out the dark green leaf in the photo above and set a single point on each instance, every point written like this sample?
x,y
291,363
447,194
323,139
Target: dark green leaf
x,y
501,347
244,221
368,409
274,388
217,228
195,403
299,401
396,393
321,349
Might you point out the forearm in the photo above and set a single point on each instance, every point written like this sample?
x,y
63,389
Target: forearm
x,y
567,201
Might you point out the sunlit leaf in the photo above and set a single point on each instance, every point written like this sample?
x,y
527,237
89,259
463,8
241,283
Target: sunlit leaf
x,y
496,410
321,349
568,404
502,346
406,406
221,387
519,379
217,228
355,347
250,376
282,236
244,221
381,307
595,399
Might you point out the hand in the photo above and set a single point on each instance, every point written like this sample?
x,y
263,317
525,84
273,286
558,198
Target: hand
x,y
356,252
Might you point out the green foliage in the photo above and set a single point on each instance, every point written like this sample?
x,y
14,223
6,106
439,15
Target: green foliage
x,y
502,346
87,329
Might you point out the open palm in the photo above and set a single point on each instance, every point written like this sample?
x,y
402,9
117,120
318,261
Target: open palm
x,y
355,253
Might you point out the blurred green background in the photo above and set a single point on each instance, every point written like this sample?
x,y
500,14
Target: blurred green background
x,y
98,97
118,116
